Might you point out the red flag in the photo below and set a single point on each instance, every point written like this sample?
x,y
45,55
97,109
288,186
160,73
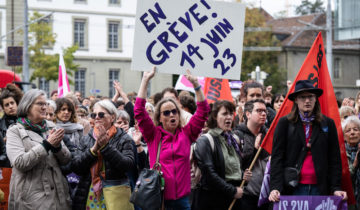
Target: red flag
x,y
217,89
315,69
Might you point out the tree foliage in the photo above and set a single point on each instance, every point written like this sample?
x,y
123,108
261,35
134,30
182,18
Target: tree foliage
x,y
307,7
44,64
267,60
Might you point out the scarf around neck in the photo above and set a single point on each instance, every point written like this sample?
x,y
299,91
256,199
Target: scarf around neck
x,y
72,130
231,141
38,128
96,169
306,119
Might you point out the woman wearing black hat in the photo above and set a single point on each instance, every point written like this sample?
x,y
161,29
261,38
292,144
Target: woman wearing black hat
x,y
305,156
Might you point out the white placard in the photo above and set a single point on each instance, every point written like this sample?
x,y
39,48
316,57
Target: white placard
x,y
201,35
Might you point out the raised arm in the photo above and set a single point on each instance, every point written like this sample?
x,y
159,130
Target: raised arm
x,y
145,82
146,125
120,92
195,82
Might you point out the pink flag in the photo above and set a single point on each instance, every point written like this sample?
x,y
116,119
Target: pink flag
x,y
63,83
184,84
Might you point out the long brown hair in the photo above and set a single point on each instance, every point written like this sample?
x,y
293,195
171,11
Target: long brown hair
x,y
294,114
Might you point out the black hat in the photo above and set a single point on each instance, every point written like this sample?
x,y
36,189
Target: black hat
x,y
305,86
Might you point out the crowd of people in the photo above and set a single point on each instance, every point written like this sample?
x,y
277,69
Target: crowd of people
x,y
86,153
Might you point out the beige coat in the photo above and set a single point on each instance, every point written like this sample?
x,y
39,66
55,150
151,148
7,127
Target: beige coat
x,y
36,180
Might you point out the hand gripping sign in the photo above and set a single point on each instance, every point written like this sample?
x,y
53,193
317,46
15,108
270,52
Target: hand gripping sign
x,y
200,35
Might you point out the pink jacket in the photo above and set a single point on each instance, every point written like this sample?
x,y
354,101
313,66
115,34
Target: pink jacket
x,y
175,149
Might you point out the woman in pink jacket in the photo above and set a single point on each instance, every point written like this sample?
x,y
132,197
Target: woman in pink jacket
x,y
175,139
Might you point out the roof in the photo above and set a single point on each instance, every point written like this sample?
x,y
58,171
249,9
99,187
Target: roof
x,y
301,31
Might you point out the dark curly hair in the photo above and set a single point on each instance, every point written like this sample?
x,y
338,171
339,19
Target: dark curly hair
x,y
11,90
60,102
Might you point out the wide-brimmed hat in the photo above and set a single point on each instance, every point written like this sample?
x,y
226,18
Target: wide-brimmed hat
x,y
305,86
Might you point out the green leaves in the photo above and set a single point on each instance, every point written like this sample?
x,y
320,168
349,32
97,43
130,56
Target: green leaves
x,y
42,39
267,60
307,7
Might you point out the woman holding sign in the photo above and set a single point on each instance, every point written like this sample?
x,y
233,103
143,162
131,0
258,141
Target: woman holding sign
x,y
175,140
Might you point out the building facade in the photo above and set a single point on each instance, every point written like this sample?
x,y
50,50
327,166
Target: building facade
x,y
104,32
297,35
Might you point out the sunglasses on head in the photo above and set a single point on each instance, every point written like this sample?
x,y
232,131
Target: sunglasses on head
x,y
167,112
100,114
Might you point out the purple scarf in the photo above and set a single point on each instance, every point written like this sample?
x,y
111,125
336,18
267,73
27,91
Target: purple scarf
x,y
232,142
306,119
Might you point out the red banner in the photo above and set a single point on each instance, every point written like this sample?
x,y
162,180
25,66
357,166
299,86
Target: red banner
x,y
315,69
4,186
217,89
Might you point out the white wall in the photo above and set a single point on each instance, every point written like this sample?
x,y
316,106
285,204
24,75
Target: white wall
x,y
97,13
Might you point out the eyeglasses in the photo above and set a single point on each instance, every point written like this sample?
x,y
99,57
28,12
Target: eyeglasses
x,y
100,114
310,97
41,104
260,111
167,112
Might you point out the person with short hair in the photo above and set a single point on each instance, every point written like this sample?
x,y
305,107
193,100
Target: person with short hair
x,y
54,95
252,90
36,152
345,112
50,111
188,103
105,156
122,120
78,95
351,129
253,131
307,134
268,98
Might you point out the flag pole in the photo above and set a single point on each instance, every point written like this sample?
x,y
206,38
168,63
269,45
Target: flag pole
x,y
250,168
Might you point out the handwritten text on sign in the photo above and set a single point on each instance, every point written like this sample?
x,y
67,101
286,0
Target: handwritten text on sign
x,y
202,35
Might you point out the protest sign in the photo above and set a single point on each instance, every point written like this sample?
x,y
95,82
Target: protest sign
x,y
201,35
310,203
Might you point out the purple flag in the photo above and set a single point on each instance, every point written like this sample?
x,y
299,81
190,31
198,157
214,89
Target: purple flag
x,y
265,187
310,203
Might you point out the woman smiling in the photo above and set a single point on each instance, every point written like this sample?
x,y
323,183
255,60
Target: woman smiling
x,y
36,151
105,155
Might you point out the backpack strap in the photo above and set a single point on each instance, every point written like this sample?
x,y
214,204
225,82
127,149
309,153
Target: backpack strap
x,y
211,141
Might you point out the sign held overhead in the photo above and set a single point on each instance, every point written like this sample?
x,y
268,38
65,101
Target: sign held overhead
x,y
201,35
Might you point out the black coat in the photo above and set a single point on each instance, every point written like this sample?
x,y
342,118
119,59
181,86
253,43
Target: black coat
x,y
324,150
214,192
118,156
5,122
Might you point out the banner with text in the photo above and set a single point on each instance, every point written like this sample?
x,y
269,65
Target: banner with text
x,y
201,35
310,203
